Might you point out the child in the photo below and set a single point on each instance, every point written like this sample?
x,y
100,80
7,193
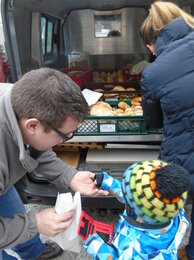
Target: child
x,y
154,222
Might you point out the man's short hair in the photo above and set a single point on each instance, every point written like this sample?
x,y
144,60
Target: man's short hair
x,y
48,95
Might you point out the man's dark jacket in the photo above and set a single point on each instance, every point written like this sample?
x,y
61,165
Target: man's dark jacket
x,y
168,92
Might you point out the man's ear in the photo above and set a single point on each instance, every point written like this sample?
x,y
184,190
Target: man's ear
x,y
31,124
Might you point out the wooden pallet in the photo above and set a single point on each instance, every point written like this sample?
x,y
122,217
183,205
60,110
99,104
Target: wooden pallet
x,y
77,146
69,157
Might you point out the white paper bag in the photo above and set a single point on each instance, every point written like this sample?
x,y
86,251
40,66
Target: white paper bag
x,y
69,239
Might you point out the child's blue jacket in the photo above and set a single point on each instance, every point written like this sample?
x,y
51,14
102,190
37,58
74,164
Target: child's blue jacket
x,y
133,241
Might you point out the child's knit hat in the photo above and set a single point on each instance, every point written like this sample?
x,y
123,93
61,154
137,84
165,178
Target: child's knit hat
x,y
155,190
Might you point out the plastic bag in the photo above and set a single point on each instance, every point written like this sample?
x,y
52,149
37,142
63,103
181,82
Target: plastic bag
x,y
78,60
69,239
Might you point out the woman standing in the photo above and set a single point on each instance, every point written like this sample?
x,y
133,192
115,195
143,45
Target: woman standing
x,y
168,86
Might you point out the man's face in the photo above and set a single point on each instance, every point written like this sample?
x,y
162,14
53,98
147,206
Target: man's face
x,y
45,141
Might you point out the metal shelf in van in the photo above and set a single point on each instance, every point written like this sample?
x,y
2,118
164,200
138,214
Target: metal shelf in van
x,y
117,138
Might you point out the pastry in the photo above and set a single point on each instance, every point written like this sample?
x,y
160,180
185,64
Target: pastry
x,y
118,88
119,112
137,99
107,95
123,105
99,90
120,76
135,103
129,112
130,89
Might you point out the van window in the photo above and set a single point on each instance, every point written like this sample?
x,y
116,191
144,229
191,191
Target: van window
x,y
47,30
49,46
107,25
43,30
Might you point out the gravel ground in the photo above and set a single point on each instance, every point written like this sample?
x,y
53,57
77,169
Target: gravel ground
x,y
110,216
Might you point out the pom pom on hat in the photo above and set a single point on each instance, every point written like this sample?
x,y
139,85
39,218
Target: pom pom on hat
x,y
155,190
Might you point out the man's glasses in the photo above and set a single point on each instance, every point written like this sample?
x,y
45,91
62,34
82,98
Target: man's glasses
x,y
65,137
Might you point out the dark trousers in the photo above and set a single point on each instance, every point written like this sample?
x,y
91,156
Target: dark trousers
x,y
11,204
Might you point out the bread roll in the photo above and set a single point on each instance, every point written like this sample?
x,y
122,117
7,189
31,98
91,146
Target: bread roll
x,y
129,112
101,111
75,73
115,76
123,105
103,104
109,77
137,99
118,88
96,74
119,112
111,95
98,80
103,76
138,113
137,108
130,89
135,103
99,90
120,76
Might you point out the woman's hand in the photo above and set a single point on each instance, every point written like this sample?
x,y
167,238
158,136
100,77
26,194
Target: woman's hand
x,y
83,182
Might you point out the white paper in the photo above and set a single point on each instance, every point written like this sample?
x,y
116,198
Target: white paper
x,y
91,96
69,239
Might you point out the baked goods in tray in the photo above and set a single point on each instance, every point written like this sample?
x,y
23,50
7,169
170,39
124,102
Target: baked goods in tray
x,y
101,109
104,109
122,92
111,92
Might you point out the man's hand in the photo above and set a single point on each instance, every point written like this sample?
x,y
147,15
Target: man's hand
x,y
83,182
49,223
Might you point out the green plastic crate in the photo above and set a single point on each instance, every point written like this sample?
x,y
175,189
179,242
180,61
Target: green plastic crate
x,y
154,130
108,125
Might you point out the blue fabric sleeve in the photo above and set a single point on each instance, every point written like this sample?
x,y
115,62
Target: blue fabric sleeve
x,y
113,186
98,249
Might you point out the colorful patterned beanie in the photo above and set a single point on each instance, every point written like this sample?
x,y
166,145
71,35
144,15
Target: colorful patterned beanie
x,y
155,190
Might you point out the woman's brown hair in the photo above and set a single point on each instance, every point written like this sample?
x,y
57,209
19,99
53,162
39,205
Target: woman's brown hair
x,y
161,13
